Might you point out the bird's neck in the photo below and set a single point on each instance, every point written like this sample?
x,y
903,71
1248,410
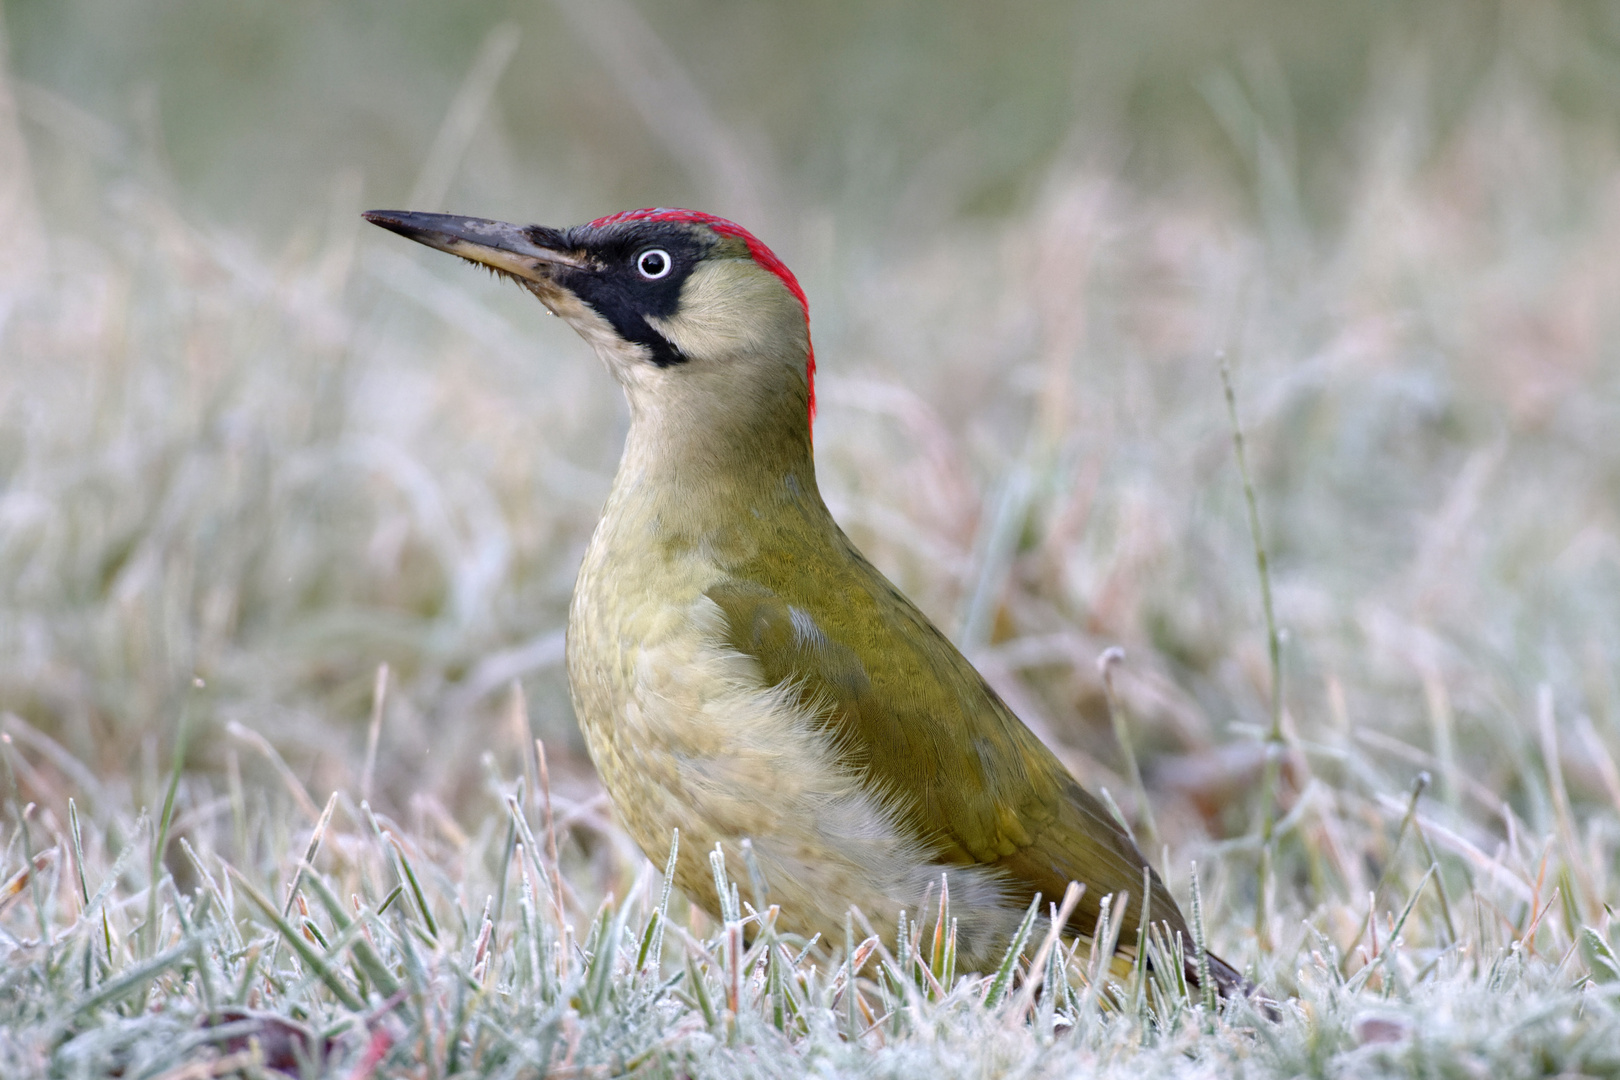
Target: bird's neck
x,y
717,470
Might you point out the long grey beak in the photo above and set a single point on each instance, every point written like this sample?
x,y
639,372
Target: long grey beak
x,y
524,251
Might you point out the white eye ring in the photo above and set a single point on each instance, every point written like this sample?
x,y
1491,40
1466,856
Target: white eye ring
x,y
654,263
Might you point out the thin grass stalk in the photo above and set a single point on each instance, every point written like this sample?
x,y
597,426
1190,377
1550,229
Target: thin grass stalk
x,y
289,779
205,977
1117,814
429,923
851,1027
532,850
1037,965
775,989
33,866
1104,943
1274,741
995,547
662,914
757,884
78,867
1009,962
730,909
403,879
364,953
1439,882
160,838
1408,820
379,699
503,872
212,885
310,851
902,945
732,958
1111,658
607,955
312,959
1139,961
550,823
1379,959
130,978
906,991
936,956
1054,977
700,993
529,930
98,901
1206,982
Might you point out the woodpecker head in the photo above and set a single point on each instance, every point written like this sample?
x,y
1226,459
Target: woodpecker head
x,y
700,322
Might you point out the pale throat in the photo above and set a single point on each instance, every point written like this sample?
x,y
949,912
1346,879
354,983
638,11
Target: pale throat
x,y
699,462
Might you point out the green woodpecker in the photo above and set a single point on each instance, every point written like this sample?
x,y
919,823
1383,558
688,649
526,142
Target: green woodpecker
x,y
739,669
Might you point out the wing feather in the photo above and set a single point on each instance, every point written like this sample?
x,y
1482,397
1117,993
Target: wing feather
x,y
905,708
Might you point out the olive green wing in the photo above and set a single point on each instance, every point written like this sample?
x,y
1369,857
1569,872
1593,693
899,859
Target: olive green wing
x,y
905,708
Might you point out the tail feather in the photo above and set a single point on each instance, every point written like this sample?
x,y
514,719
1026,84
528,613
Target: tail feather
x,y
1230,983
1227,979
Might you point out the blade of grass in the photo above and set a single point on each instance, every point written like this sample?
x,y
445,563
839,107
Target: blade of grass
x,y
403,870
551,832
936,957
531,851
1206,982
1111,658
1009,962
30,875
310,851
1418,786
379,696
367,957
311,958
1274,741
132,977
663,898
289,778
213,887
1359,979
205,976
599,978
96,905
1054,934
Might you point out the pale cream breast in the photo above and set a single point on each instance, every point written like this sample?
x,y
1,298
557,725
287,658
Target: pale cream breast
x,y
686,734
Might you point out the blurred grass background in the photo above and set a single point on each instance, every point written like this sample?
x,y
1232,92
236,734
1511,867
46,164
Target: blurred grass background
x,y
244,440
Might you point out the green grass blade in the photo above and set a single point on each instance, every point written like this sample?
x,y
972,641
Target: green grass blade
x,y
1009,963
137,975
312,959
1206,982
160,839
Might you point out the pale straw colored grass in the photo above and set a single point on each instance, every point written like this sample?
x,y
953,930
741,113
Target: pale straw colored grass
x,y
233,484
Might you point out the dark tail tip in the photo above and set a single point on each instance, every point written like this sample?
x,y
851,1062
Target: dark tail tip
x,y
1230,983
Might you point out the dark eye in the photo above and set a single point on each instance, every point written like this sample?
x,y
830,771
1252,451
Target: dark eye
x,y
654,263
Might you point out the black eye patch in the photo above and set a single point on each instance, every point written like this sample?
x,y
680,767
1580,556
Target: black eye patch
x,y
617,291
